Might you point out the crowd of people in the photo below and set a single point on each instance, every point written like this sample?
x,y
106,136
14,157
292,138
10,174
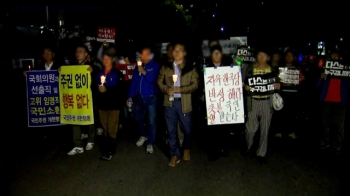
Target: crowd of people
x,y
152,83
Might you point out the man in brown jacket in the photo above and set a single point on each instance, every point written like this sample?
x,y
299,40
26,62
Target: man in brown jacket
x,y
177,81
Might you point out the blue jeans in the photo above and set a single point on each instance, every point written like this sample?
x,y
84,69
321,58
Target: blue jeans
x,y
147,106
173,115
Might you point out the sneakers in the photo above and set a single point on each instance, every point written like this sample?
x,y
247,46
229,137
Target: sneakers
x,y
76,150
141,141
99,131
107,157
174,161
84,136
89,146
278,135
324,146
149,149
186,156
293,136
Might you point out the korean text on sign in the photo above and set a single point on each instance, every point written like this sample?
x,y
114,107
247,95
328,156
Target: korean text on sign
x,y
224,95
289,75
261,84
43,98
75,95
337,69
106,34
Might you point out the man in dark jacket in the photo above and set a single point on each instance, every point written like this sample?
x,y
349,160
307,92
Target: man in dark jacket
x,y
143,92
81,54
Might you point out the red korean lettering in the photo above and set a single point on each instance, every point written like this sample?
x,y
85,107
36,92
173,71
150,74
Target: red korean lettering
x,y
68,100
211,116
225,79
235,78
218,79
221,95
212,95
82,101
235,93
211,80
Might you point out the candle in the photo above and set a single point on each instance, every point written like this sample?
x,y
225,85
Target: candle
x,y
175,78
139,63
29,68
103,79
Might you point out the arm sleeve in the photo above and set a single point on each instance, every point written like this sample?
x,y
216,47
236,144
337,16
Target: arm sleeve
x,y
133,84
160,81
193,84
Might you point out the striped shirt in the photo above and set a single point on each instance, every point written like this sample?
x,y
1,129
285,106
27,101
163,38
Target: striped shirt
x,y
257,71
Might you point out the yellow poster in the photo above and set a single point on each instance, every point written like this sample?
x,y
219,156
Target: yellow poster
x,y
75,95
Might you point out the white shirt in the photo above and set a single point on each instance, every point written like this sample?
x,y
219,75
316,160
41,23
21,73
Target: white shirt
x,y
48,67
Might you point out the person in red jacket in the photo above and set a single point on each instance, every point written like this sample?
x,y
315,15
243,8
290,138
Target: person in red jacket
x,y
334,98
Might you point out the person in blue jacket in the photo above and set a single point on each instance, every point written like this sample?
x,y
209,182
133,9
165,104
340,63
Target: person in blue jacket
x,y
143,93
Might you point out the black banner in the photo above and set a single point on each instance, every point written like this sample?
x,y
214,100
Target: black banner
x,y
337,69
247,55
261,84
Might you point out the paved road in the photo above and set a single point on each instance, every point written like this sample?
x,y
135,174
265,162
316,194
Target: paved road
x,y
290,171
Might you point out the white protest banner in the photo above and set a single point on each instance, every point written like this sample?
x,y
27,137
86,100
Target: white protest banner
x,y
289,75
228,47
336,69
224,95
261,84
243,41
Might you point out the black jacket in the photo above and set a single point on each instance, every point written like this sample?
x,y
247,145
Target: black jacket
x,y
114,97
55,66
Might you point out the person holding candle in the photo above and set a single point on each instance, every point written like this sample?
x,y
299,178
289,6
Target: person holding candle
x,y
143,93
178,81
108,104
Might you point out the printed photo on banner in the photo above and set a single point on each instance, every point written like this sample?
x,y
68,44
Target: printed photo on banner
x,y
43,98
228,47
261,84
224,95
289,75
337,69
76,96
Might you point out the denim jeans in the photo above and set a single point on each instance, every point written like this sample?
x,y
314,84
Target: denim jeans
x,y
146,107
173,115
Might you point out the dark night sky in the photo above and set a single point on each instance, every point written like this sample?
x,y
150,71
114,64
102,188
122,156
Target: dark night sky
x,y
277,22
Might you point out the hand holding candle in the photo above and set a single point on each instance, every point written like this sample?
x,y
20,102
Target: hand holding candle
x,y
103,79
139,63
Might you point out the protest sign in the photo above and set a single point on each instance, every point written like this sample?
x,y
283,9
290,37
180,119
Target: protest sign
x,y
261,84
337,69
163,48
75,94
246,54
242,41
106,34
43,98
224,95
228,47
127,70
289,75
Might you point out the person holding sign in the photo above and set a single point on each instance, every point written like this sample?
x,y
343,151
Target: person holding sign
x,y
217,138
143,93
177,81
290,77
81,55
259,106
334,98
109,88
